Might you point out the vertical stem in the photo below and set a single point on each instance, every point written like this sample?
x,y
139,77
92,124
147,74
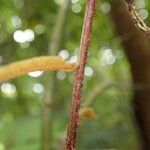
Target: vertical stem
x,y
57,36
78,83
49,77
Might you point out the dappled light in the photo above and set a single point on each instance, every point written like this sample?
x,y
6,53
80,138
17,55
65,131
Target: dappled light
x,y
8,90
38,88
74,75
24,36
35,73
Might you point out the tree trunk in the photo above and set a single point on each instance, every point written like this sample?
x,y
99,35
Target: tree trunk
x,y
49,78
137,48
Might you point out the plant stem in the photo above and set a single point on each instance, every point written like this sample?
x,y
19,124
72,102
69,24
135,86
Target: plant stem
x,y
78,83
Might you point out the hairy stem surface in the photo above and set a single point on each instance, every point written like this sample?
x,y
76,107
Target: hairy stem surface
x,y
78,83
44,63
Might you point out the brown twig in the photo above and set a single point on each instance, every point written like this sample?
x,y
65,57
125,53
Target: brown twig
x,y
139,23
78,83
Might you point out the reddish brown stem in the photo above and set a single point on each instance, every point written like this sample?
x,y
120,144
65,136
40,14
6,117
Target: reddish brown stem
x,y
78,83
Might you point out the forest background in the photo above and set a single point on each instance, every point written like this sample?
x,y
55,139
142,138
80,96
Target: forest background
x,y
34,108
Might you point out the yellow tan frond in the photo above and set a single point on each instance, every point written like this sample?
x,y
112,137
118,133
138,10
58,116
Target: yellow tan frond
x,y
35,64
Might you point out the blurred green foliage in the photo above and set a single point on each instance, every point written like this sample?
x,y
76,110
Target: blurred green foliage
x,y
21,99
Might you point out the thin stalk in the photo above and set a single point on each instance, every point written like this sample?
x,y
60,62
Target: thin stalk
x,y
78,83
50,78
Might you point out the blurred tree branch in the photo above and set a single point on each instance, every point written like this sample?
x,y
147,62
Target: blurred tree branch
x,y
139,23
137,48
49,78
97,90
